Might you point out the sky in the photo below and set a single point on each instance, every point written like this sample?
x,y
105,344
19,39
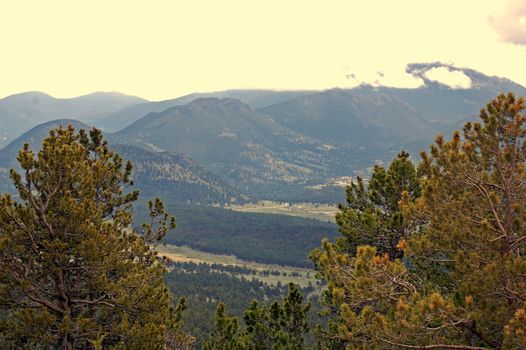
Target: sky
x,y
163,49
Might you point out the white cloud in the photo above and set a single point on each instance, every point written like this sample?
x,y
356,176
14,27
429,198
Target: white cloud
x,y
455,79
387,76
511,25
415,75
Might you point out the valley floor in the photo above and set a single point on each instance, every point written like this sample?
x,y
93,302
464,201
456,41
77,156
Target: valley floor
x,y
322,212
266,273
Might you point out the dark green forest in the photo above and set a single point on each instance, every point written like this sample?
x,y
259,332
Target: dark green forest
x,y
205,286
266,238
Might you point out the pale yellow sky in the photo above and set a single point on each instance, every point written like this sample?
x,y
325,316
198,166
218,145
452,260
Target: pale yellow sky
x,y
163,49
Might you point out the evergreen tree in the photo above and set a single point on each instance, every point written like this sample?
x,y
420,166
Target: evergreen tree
x,y
462,281
282,326
74,274
294,317
372,214
226,334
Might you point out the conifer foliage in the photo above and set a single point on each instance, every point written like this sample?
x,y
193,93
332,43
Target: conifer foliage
x,y
461,283
226,334
73,273
281,326
372,214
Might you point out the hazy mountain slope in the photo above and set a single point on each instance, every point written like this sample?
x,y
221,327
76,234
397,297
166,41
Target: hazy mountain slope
x,y
390,116
255,98
97,105
175,177
233,140
258,98
206,129
435,102
21,112
355,117
127,115
284,150
34,138
379,121
298,142
445,106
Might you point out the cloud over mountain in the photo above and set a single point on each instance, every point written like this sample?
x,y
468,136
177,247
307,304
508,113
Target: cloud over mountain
x,y
455,79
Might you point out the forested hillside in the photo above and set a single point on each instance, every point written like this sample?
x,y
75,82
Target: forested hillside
x,y
174,176
177,178
268,238
205,286
231,139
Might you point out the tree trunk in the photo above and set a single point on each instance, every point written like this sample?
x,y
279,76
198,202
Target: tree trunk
x,y
67,344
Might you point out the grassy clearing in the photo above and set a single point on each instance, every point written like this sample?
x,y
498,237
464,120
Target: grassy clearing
x,y
187,254
321,212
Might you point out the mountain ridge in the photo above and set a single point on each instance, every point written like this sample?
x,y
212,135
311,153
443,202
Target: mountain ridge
x,y
299,140
254,97
20,112
173,176
230,138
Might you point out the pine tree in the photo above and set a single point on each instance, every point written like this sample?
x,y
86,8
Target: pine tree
x,y
226,334
282,326
462,281
372,214
294,317
74,274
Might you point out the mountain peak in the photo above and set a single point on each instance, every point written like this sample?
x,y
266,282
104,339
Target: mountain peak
x,y
110,95
215,102
30,96
477,79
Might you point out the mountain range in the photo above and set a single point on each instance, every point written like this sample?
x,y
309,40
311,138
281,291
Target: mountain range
x,y
281,145
233,140
20,112
255,98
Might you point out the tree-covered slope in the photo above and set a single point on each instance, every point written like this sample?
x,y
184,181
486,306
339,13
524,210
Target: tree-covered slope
x,y
177,178
173,176
268,238
233,140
